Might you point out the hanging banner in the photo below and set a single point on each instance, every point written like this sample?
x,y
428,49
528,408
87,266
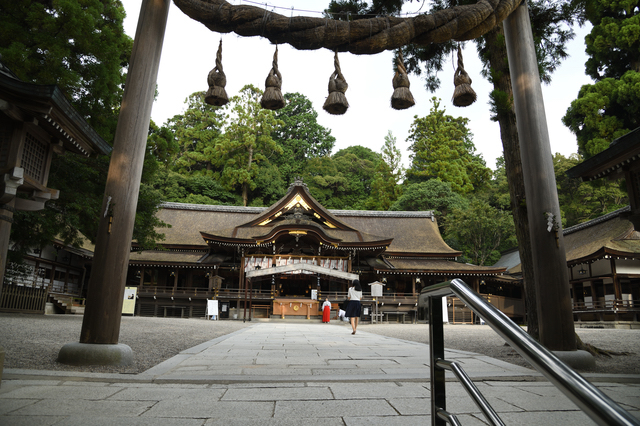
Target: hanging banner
x,y
129,305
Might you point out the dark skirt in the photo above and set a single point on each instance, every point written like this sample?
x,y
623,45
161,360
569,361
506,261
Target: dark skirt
x,y
354,308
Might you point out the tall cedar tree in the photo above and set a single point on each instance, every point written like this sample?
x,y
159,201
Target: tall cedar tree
x,y
300,136
246,143
196,132
442,148
389,173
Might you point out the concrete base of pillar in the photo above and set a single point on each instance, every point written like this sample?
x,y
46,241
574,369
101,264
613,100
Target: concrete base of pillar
x,y
578,360
95,354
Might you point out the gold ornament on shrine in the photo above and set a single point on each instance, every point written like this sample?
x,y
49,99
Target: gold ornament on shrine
x,y
463,95
216,95
272,98
336,102
402,97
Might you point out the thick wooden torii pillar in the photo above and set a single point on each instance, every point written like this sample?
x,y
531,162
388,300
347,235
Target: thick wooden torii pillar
x,y
105,294
555,313
101,325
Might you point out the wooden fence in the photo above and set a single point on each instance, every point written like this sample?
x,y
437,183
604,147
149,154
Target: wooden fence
x,y
28,300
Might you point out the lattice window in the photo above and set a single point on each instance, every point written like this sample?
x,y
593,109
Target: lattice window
x,y
34,157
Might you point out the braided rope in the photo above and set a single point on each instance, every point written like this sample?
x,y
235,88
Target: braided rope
x,y
363,36
218,66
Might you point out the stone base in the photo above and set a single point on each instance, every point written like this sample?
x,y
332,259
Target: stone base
x,y
95,354
578,360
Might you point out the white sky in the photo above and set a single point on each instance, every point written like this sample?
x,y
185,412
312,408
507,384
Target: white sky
x,y
189,54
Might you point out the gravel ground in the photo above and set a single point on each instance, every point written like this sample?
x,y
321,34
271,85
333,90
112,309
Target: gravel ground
x,y
33,341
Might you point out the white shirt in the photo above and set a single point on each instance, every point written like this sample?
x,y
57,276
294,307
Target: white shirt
x,y
326,303
353,294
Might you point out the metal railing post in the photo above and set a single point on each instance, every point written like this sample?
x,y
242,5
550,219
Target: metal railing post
x,y
598,406
436,349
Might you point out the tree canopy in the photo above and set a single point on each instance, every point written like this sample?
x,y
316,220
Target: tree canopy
x,y
610,107
300,136
442,148
80,46
246,141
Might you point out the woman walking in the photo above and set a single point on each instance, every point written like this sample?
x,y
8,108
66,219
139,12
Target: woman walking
x,y
353,307
326,310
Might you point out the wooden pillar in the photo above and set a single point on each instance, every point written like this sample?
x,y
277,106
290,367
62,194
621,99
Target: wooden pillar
x,y
175,280
549,259
102,317
617,290
6,219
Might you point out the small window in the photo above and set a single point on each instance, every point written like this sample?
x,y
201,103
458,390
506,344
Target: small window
x,y
34,157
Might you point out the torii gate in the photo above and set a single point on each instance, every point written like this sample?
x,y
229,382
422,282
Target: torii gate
x,y
101,324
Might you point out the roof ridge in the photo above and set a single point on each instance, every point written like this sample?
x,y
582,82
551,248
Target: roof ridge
x,y
211,207
241,209
595,221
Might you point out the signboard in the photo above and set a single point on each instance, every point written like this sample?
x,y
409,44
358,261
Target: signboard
x,y
314,294
212,309
376,289
129,305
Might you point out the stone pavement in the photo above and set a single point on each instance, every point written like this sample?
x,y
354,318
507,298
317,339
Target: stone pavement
x,y
291,374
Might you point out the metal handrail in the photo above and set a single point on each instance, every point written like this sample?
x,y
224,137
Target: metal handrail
x,y
587,397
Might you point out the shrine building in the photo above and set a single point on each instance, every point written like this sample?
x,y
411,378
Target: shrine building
x,y
284,260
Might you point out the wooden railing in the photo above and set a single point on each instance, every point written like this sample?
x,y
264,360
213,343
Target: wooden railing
x,y
333,296
28,300
609,305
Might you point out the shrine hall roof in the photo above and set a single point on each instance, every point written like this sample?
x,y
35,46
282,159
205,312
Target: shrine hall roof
x,y
610,234
411,232
438,267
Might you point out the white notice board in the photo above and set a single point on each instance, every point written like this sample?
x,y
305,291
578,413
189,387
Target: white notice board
x,y
129,304
212,309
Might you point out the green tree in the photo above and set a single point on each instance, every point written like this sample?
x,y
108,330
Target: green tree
x,y
611,107
192,189
583,201
432,195
343,181
300,136
246,143
78,45
325,182
480,231
442,148
197,131
389,172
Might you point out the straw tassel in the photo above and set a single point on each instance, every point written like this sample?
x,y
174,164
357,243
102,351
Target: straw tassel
x,y
272,98
216,95
463,95
336,102
402,97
